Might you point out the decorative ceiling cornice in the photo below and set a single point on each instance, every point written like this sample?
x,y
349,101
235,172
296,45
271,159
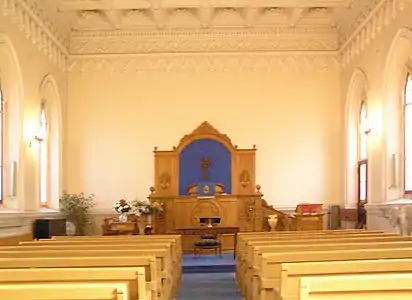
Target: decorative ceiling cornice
x,y
36,27
189,41
38,30
299,62
381,16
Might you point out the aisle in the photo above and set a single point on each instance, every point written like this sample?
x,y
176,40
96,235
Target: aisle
x,y
209,277
209,286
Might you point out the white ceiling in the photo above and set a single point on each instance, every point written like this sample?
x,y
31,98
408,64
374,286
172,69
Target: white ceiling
x,y
91,15
148,26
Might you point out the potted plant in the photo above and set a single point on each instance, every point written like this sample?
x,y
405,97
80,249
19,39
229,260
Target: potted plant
x,y
76,209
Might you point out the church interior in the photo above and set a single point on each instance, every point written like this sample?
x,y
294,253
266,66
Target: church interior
x,y
255,149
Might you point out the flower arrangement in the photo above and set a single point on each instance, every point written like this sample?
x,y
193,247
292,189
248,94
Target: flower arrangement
x,y
122,206
146,207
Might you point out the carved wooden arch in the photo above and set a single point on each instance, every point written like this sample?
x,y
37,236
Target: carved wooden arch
x,y
166,163
206,131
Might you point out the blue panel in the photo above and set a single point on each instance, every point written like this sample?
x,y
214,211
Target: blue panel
x,y
191,172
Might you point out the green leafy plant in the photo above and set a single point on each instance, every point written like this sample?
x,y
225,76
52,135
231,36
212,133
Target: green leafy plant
x,y
76,209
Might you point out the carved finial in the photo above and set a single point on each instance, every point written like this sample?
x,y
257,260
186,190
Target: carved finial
x,y
235,146
155,149
254,146
152,189
258,187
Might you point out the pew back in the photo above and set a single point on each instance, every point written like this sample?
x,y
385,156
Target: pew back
x,y
358,287
292,273
64,291
134,277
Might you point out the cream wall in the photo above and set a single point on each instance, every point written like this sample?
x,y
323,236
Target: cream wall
x,y
28,76
374,68
288,105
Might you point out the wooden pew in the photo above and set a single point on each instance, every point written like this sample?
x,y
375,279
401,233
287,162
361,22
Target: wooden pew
x,y
253,233
176,248
175,256
247,250
149,263
175,239
164,272
64,291
242,242
266,280
258,251
168,264
174,242
293,273
358,287
143,244
135,278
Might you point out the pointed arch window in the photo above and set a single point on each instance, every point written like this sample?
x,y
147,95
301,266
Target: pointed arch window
x,y
363,155
408,134
1,146
43,157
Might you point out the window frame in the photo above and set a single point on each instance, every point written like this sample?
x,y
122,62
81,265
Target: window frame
x,y
404,105
362,160
2,138
43,143
360,164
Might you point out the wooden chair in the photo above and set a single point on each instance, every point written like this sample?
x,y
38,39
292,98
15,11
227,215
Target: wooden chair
x,y
208,242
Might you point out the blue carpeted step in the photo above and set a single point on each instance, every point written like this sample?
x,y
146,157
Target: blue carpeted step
x,y
209,287
209,277
209,264
228,268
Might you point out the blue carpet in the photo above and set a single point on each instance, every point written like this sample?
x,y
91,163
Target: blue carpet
x,y
208,277
209,264
209,287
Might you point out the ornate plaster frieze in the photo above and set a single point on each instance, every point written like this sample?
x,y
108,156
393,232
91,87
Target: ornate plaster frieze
x,y
229,40
381,16
38,30
219,62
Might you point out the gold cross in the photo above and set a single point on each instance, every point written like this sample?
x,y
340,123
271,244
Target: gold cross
x,y
205,164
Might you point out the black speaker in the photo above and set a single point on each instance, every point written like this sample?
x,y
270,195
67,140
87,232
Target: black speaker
x,y
46,228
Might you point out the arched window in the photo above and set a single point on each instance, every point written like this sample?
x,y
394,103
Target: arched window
x,y
407,118
43,157
1,147
363,155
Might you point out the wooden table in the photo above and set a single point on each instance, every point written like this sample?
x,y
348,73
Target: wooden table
x,y
215,230
120,228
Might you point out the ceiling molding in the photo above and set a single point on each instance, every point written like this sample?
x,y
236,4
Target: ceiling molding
x,y
380,17
70,5
299,62
189,41
38,30
277,39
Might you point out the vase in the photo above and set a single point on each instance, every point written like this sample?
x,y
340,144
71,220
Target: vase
x,y
273,221
141,224
123,218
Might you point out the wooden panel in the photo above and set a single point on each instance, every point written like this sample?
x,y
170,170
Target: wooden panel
x,y
243,208
15,240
